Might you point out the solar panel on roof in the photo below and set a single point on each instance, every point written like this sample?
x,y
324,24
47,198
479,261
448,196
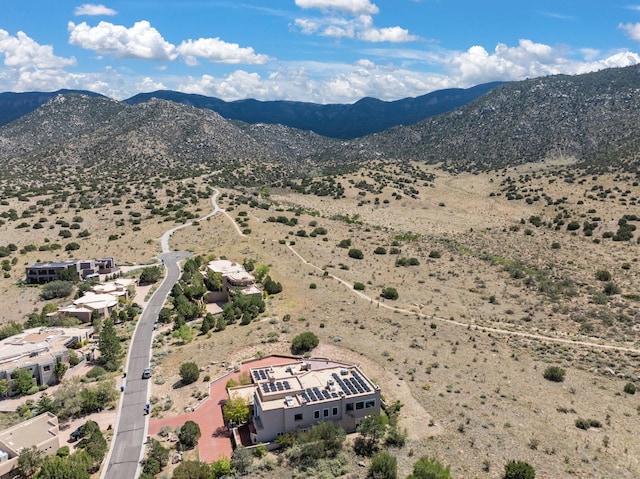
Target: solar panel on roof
x,y
325,393
279,386
312,397
305,397
256,376
287,386
262,375
265,388
334,395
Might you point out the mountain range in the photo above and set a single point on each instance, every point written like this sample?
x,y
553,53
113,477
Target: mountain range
x,y
591,117
364,117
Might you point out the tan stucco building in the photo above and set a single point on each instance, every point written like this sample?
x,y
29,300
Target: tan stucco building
x,y
41,431
295,396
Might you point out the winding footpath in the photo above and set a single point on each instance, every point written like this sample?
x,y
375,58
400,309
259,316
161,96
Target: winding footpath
x,y
521,334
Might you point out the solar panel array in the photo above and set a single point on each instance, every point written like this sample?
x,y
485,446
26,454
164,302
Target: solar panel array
x,y
275,386
353,385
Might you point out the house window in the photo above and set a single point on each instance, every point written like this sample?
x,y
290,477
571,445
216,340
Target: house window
x,y
47,368
369,404
316,414
360,405
349,406
325,413
334,411
297,417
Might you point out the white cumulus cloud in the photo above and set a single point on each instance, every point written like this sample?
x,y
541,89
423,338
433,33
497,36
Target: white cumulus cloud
x,y
218,51
632,30
141,41
527,60
91,9
23,52
354,7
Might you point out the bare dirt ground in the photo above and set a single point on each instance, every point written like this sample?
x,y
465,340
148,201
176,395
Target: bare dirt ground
x,y
473,397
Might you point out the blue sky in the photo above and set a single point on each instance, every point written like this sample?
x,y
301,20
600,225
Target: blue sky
x,y
323,51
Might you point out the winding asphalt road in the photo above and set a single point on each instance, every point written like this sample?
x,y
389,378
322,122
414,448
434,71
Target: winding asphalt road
x,y
127,447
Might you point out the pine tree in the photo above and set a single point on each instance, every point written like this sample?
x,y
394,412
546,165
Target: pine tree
x,y
109,346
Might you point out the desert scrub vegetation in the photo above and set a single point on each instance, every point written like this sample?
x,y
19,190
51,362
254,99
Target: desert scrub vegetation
x,y
554,373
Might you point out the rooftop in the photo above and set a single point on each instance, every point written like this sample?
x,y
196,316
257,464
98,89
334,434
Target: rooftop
x,y
225,267
24,349
34,431
304,382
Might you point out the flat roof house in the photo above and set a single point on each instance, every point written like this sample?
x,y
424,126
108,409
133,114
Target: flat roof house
x,y
234,279
38,350
41,431
83,307
50,270
295,396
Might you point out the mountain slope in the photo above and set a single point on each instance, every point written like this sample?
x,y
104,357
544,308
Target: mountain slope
x,y
593,117
16,105
364,117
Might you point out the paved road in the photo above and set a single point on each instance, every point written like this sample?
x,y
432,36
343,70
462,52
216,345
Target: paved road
x,y
127,447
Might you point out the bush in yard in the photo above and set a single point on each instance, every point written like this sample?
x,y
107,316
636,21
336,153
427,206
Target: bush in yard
x,y
304,343
389,293
189,434
519,470
56,289
189,372
150,275
383,466
429,468
554,373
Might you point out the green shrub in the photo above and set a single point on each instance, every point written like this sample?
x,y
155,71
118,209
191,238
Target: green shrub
x,y
189,372
358,286
304,343
380,250
355,253
389,293
554,373
519,470
630,388
434,254
603,275
56,289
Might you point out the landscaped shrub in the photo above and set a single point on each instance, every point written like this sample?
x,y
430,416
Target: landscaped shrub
x,y
189,434
56,289
554,373
189,372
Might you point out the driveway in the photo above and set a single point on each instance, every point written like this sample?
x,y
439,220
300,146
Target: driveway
x,y
215,441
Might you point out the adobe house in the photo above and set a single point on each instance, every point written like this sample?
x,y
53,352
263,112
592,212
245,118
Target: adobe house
x,y
295,396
